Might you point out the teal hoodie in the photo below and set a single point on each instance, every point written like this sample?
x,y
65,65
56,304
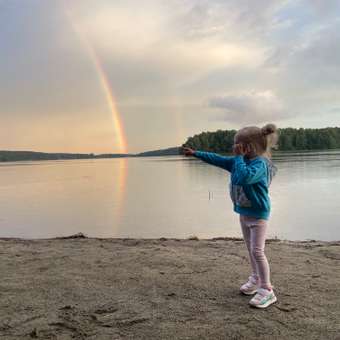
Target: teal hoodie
x,y
249,181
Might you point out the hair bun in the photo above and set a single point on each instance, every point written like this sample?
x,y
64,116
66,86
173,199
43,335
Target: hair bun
x,y
268,129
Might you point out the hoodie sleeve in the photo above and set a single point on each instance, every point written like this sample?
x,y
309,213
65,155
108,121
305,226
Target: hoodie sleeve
x,y
245,174
223,162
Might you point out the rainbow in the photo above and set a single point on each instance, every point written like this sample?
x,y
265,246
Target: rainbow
x,y
121,142
117,122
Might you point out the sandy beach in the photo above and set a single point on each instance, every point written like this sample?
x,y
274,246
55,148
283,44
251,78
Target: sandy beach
x,y
87,288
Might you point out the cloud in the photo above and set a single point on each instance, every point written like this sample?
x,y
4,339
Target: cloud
x,y
255,107
184,50
325,8
150,53
234,20
307,70
315,50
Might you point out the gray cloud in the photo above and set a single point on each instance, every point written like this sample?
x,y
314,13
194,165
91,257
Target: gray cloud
x,y
324,8
255,107
307,71
230,20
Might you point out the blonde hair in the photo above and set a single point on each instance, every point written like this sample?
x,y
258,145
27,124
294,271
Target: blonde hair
x,y
260,140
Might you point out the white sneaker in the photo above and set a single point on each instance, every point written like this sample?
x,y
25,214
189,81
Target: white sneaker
x,y
250,287
263,298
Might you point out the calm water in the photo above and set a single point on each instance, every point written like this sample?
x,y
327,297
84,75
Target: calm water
x,y
163,197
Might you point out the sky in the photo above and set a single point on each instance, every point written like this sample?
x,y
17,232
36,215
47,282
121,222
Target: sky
x,y
107,76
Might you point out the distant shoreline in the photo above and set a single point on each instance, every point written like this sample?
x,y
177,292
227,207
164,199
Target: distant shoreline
x,y
18,156
30,156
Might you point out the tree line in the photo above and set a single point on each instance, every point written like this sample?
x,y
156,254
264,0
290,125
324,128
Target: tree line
x,y
14,156
290,139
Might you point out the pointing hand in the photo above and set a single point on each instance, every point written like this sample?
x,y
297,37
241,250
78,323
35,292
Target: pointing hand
x,y
188,151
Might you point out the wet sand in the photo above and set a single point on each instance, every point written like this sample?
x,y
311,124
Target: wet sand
x,y
86,288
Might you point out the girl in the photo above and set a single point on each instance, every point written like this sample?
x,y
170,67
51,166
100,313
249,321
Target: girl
x,y
251,174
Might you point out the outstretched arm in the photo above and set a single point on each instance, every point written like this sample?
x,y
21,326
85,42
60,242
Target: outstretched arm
x,y
223,162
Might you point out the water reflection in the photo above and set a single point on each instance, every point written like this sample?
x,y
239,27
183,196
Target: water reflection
x,y
118,185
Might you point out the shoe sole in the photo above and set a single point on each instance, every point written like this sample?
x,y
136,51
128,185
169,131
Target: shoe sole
x,y
268,303
249,293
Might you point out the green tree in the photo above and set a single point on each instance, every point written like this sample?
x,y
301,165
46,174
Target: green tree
x,y
289,139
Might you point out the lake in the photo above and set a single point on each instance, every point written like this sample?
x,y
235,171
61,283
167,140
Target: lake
x,y
163,197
